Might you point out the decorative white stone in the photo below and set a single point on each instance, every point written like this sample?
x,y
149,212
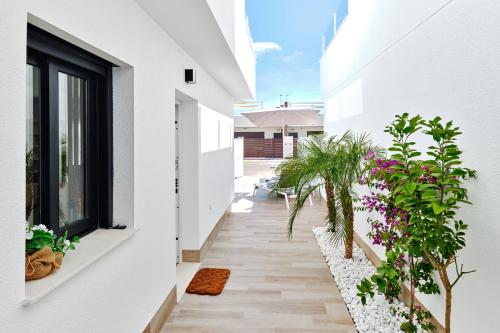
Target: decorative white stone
x,y
374,317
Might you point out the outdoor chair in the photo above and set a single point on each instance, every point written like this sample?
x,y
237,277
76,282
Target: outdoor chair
x,y
269,185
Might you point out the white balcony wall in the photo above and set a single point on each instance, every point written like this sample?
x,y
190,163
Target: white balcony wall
x,y
243,45
122,290
232,20
431,57
225,14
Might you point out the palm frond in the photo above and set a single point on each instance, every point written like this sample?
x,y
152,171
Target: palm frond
x,y
339,235
298,205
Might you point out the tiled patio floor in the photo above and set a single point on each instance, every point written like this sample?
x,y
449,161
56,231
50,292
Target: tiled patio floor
x,y
276,285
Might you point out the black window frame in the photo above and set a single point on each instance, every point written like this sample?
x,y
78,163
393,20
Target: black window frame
x,y
54,55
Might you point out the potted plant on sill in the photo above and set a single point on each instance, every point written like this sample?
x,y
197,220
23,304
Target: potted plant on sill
x,y
44,251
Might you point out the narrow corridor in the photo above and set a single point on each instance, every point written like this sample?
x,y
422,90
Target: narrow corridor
x,y
276,285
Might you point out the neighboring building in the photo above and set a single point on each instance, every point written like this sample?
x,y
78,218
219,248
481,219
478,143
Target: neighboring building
x,y
266,140
93,92
245,128
434,58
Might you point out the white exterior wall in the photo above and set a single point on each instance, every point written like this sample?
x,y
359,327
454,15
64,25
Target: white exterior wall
x,y
216,181
189,159
430,58
122,290
205,143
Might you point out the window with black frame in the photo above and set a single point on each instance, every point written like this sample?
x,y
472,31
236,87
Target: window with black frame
x,y
68,136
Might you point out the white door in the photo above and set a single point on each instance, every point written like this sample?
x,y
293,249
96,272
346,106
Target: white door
x,y
177,201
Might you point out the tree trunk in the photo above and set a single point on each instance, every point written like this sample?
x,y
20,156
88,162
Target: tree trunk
x,y
443,274
348,211
412,291
447,321
330,204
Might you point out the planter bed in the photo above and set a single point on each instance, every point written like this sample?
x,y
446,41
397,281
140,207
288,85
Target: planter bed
x,y
377,315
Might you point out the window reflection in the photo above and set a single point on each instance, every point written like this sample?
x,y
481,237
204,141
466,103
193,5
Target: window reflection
x,y
33,104
72,110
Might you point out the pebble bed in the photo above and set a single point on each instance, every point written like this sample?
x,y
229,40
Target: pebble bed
x,y
377,316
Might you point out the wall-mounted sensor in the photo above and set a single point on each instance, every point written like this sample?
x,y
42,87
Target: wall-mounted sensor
x,y
190,76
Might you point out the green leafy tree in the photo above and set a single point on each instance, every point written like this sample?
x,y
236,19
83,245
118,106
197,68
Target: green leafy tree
x,y
420,213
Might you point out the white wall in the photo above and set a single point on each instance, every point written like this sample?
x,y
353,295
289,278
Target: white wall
x,y
206,145
121,291
189,157
216,172
216,188
239,166
419,57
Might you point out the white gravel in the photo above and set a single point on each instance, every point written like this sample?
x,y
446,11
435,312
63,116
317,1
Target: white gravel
x,y
376,315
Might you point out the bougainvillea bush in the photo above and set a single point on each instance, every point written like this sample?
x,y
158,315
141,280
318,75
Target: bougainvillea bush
x,y
417,197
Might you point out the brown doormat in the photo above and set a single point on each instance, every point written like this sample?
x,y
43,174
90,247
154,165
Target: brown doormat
x,y
208,281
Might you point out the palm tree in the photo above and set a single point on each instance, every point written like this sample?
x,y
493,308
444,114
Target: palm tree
x,y
349,169
336,164
312,168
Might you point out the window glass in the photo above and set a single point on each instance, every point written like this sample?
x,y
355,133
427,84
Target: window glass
x,y
72,111
68,136
33,105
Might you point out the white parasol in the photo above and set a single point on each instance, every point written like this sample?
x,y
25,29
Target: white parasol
x,y
284,117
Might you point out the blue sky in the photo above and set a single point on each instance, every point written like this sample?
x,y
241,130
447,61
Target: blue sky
x,y
288,34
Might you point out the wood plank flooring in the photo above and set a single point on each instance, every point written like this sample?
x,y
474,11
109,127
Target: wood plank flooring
x,y
276,285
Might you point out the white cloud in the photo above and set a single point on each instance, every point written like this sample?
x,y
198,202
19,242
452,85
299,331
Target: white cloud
x,y
261,48
292,57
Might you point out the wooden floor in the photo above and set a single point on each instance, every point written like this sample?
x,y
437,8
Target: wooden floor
x,y
276,285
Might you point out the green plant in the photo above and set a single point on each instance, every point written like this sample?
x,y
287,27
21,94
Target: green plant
x,y
337,162
419,200
64,160
30,178
314,166
38,237
349,167
30,166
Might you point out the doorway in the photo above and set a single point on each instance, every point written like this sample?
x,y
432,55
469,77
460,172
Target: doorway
x,y
186,150
177,198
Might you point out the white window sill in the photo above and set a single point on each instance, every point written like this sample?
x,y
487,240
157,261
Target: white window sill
x,y
91,247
